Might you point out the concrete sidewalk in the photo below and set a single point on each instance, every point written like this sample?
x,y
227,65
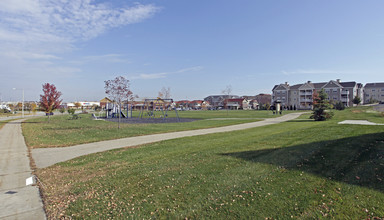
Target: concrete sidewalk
x,y
45,157
17,201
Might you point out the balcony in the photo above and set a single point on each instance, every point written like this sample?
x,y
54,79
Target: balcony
x,y
305,100
345,92
344,99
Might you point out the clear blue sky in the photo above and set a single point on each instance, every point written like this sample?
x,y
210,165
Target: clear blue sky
x,y
196,48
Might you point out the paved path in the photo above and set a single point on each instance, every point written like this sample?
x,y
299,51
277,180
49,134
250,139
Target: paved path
x,y
358,122
17,201
38,114
45,157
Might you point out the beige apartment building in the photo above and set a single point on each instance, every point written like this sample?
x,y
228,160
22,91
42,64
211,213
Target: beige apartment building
x,y
299,96
373,92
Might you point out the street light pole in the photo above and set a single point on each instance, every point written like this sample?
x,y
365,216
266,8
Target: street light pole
x,y
22,106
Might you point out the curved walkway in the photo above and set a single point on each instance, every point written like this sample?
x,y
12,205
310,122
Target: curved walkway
x,y
45,157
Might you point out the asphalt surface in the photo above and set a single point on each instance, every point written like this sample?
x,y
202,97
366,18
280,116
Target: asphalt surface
x,y
45,157
17,201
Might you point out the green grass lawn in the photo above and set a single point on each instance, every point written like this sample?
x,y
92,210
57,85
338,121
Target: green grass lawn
x,y
298,169
61,131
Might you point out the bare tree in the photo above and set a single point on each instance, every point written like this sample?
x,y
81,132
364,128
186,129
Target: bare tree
x,y
165,93
118,90
227,91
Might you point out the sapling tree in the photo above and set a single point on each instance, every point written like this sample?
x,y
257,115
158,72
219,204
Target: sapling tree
x,y
227,91
165,93
356,100
320,106
118,91
50,99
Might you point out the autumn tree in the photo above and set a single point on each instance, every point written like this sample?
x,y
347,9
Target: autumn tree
x,y
33,107
77,105
118,91
50,99
321,106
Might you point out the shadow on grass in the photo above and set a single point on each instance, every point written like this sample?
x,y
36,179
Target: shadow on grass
x,y
357,160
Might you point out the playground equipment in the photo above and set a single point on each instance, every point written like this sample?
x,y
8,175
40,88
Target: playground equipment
x,y
113,110
157,106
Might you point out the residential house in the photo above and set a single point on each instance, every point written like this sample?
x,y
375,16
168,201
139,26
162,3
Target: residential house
x,y
373,92
183,104
217,101
236,104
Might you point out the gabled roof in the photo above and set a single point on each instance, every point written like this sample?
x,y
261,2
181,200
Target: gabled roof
x,y
182,101
348,84
106,99
373,85
197,101
281,87
296,86
359,85
332,84
308,84
319,85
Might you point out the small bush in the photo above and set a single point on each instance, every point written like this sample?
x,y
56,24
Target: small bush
x,y
62,110
339,106
71,111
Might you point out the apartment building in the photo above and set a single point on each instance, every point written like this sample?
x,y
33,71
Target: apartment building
x,y
373,92
299,96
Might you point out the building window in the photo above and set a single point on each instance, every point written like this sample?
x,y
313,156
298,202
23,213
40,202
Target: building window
x,y
278,92
334,90
373,90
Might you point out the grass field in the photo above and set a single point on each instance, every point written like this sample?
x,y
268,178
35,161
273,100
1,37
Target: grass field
x,y
298,169
61,132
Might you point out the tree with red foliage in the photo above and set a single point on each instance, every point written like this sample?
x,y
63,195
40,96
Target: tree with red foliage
x,y
118,90
50,100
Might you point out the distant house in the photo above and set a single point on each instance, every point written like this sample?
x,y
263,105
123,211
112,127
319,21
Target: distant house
x,y
254,104
183,104
263,99
373,92
217,101
236,104
199,105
